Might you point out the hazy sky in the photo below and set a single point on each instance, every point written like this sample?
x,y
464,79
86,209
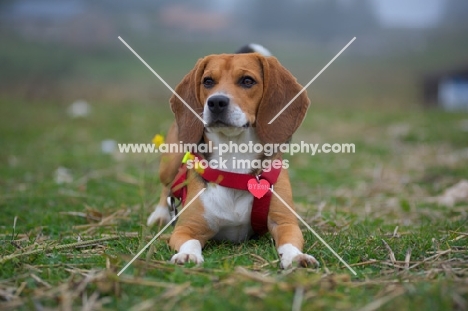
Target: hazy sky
x,y
409,13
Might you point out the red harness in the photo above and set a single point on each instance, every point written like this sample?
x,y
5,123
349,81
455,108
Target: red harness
x,y
260,206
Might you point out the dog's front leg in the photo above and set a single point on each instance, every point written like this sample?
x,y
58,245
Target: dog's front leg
x,y
168,168
191,232
284,228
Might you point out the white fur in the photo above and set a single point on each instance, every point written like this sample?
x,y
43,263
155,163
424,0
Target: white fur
x,y
190,251
237,136
237,117
160,216
227,210
289,254
260,49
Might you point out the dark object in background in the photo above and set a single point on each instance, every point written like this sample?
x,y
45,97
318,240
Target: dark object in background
x,y
254,48
447,89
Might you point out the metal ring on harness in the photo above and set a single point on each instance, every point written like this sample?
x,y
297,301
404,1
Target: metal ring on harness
x,y
171,202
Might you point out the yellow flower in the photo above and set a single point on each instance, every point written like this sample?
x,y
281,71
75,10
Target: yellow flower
x,y
158,140
188,156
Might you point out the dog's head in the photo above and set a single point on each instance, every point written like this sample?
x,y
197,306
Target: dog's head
x,y
237,91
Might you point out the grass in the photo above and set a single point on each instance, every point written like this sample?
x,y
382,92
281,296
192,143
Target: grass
x,y
62,244
355,202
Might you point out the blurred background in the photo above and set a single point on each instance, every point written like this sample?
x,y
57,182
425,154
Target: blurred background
x,y
64,50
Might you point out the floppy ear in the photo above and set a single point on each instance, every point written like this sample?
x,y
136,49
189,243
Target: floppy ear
x,y
189,126
279,87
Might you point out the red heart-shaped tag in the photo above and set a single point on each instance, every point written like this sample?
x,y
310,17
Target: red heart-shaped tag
x,y
258,188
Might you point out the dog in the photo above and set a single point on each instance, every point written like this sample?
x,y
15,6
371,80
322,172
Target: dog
x,y
236,95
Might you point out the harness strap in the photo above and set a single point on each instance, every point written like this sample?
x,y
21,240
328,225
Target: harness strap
x,y
260,206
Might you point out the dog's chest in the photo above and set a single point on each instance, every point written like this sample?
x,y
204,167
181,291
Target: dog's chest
x,y
227,212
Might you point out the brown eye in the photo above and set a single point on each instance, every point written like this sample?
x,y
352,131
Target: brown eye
x,y
208,82
247,82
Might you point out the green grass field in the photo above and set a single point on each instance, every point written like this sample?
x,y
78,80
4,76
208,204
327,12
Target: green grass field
x,y
62,244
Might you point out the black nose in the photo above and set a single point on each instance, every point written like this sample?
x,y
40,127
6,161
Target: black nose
x,y
218,103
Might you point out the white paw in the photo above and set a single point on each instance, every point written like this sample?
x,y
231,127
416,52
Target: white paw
x,y
181,258
290,254
190,251
160,216
305,261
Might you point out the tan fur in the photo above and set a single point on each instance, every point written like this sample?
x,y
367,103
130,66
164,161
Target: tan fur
x,y
191,223
282,224
280,87
275,87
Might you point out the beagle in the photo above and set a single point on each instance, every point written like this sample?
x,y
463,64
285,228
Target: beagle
x,y
236,95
